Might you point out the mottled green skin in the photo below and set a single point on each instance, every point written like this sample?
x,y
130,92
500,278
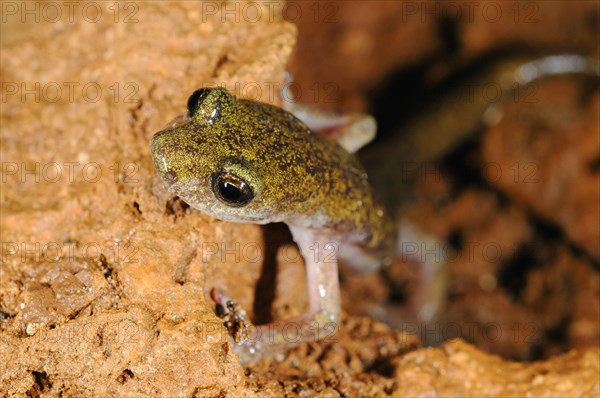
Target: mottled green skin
x,y
298,177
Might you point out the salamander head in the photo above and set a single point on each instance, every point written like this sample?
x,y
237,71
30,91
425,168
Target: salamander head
x,y
240,160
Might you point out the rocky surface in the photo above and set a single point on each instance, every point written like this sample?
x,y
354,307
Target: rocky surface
x,y
104,278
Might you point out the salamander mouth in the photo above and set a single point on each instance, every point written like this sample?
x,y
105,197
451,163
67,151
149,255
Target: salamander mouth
x,y
247,219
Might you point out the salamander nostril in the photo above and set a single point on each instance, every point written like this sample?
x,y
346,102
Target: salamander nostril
x,y
170,177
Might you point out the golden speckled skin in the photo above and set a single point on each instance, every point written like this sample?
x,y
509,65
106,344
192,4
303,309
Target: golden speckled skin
x,y
298,177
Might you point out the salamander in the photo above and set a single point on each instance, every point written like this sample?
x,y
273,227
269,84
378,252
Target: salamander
x,y
244,161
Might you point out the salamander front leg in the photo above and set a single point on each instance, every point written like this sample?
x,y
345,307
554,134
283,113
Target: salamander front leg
x,y
251,342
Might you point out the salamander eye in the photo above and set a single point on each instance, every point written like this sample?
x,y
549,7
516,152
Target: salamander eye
x,y
196,99
231,189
